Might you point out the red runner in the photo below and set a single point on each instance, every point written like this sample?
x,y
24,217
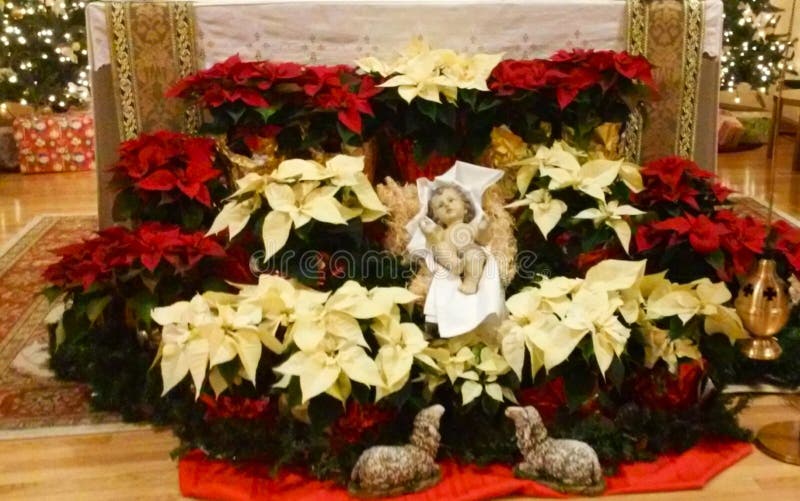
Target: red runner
x,y
219,480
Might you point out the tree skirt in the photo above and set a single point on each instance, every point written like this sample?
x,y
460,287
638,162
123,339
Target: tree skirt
x,y
205,478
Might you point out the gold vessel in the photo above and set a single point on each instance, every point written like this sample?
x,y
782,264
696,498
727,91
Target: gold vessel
x,y
763,305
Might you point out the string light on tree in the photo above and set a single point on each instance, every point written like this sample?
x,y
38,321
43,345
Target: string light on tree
x,y
43,57
753,52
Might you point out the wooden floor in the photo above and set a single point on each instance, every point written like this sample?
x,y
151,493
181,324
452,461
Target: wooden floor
x,y
136,464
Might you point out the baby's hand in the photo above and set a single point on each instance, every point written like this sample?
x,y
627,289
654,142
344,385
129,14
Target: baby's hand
x,y
427,225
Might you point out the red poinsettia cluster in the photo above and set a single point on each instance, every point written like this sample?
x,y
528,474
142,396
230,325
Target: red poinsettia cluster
x,y
117,248
570,72
741,239
226,407
234,80
677,180
262,84
410,170
338,88
169,162
657,388
787,242
357,420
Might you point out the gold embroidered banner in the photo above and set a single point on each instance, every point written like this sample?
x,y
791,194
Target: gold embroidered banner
x,y
670,34
152,46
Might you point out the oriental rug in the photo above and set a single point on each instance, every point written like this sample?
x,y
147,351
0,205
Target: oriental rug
x,y
32,402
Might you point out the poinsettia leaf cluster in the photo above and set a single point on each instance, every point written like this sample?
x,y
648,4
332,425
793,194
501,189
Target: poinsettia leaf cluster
x,y
168,177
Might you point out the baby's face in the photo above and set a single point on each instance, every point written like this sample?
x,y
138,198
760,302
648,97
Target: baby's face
x,y
448,207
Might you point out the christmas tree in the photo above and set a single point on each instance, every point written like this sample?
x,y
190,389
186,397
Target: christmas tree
x,y
753,51
43,56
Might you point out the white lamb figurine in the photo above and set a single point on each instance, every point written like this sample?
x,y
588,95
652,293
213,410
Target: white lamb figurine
x,y
565,465
386,470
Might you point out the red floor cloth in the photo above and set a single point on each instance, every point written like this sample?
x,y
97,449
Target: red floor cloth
x,y
205,478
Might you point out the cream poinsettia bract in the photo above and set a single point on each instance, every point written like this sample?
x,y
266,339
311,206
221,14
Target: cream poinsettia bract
x,y
420,72
331,349
548,322
612,215
298,191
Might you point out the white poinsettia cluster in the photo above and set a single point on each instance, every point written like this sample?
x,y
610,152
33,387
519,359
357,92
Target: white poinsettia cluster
x,y
319,334
549,321
429,74
471,365
567,168
296,192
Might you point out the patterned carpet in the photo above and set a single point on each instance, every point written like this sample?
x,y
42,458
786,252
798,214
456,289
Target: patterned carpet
x,y
31,401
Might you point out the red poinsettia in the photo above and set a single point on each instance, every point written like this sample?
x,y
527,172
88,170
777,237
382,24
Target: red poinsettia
x,y
234,80
675,180
118,248
181,250
744,240
586,260
657,388
408,167
357,420
570,72
93,259
704,235
787,242
226,407
338,88
510,75
548,398
168,161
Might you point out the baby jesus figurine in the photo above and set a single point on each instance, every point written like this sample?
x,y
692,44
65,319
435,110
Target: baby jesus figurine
x,y
455,237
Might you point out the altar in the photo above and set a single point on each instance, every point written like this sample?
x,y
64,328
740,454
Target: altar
x,y
423,247
340,31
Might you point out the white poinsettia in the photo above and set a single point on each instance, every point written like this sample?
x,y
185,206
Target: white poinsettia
x,y
612,215
471,367
592,178
546,210
293,206
298,191
399,343
659,346
332,350
701,297
202,334
428,74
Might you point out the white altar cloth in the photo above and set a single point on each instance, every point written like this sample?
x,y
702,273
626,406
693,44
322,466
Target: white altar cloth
x,y
340,31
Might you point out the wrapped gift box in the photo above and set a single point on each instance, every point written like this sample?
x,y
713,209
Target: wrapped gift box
x,y
62,142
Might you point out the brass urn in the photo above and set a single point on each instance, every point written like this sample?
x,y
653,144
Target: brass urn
x,y
763,306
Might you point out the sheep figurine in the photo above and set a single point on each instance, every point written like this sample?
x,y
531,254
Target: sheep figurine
x,y
385,470
565,465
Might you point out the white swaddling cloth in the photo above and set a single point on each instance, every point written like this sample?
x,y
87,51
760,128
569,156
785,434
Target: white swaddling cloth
x,y
454,312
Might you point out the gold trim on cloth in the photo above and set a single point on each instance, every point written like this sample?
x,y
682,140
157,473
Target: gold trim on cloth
x,y
669,33
152,46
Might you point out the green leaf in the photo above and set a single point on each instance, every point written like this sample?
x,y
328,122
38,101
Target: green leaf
x,y
348,137
192,216
235,113
266,113
51,293
96,306
447,115
616,372
126,204
428,108
579,384
141,304
323,411
716,259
